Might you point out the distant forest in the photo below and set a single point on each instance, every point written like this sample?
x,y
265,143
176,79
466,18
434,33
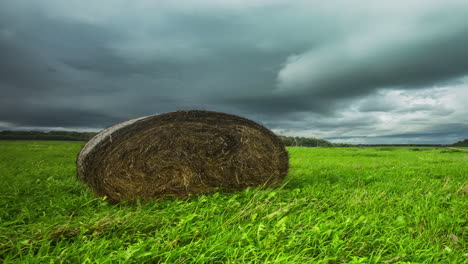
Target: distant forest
x,y
51,135
287,141
463,143
309,142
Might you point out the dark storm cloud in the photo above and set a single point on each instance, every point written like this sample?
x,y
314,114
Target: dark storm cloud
x,y
45,116
34,79
421,64
330,124
21,70
33,53
290,65
277,105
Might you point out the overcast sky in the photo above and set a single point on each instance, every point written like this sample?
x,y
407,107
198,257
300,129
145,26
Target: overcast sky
x,y
347,71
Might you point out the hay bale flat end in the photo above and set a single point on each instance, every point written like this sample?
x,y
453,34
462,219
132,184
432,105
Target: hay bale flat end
x,y
181,153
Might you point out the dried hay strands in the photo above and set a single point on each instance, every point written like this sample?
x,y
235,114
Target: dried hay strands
x,y
181,153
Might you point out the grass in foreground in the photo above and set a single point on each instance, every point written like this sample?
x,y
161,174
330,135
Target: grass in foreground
x,y
338,205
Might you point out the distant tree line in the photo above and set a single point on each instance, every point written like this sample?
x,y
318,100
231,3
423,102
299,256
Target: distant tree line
x,y
400,145
463,143
287,141
309,142
50,135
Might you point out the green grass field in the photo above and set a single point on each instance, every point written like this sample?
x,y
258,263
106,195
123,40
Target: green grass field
x,y
462,148
337,205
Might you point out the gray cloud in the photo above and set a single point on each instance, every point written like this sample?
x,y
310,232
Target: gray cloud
x,y
304,68
442,60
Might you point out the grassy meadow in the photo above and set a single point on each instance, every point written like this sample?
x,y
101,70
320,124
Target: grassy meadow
x,y
337,205
461,148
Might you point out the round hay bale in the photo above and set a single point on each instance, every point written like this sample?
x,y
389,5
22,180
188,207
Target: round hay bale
x,y
181,153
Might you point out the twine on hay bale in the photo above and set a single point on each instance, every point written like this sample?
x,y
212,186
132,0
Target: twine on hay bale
x,y
181,153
